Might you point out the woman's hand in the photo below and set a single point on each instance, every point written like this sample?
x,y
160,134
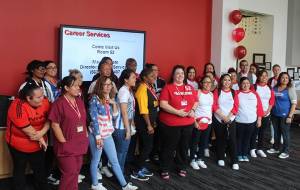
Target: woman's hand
x,y
259,122
150,130
37,136
288,120
182,113
99,143
192,113
128,134
111,101
43,144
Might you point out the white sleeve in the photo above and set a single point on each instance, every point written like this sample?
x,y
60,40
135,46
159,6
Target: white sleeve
x,y
123,95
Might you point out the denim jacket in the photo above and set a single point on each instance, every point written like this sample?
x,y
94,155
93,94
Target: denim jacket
x,y
102,118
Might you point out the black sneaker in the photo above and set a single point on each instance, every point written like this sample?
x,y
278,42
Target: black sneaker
x,y
139,176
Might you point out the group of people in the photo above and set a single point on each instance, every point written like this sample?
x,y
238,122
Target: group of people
x,y
52,123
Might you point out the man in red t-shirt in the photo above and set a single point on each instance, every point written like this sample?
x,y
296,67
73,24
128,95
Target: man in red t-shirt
x,y
27,126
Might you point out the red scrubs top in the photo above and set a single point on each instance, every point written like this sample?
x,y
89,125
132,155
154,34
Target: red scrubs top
x,y
73,128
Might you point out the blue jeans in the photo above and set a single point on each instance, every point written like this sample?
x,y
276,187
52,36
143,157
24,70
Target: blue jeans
x,y
281,128
122,146
110,150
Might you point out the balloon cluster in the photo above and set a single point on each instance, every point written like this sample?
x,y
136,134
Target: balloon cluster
x,y
238,34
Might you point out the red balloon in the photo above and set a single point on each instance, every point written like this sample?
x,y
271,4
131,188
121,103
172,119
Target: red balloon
x,y
238,34
235,16
240,52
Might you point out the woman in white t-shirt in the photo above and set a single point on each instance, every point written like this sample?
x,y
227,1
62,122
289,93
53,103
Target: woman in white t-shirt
x,y
124,126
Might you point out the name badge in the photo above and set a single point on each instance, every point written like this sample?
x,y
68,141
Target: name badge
x,y
79,129
184,103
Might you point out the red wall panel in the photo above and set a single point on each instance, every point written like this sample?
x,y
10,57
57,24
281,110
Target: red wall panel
x,y
178,32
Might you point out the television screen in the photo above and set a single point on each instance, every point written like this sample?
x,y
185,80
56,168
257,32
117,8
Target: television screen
x,y
83,48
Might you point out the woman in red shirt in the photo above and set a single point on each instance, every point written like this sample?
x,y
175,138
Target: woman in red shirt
x,y
27,126
68,118
178,102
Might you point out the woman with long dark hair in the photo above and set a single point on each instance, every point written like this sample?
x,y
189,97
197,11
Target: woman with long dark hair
x,y
282,114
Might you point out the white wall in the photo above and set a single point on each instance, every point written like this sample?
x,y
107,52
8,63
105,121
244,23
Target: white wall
x,y
221,38
293,34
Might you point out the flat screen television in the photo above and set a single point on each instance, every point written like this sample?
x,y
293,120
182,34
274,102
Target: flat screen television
x,y
82,48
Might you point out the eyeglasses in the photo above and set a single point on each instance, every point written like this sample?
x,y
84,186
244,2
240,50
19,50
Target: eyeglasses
x,y
41,69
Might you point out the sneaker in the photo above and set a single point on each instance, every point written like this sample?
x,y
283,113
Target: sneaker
x,y
281,140
246,159
79,180
206,152
139,176
221,163
261,153
182,173
129,186
146,172
235,167
201,164
99,175
52,180
253,154
106,171
156,158
272,151
98,187
165,175
194,165
81,176
272,141
283,155
241,159
147,160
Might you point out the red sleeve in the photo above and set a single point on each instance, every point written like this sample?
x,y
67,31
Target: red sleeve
x,y
196,95
216,102
272,99
18,114
252,87
260,111
54,114
235,103
164,95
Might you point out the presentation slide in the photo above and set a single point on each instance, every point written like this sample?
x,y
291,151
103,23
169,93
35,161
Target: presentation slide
x,y
82,48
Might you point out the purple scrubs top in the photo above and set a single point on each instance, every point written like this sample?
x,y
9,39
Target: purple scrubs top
x,y
62,113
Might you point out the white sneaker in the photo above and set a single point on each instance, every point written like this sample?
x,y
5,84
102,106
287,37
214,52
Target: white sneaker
x,y
81,176
79,180
235,167
129,186
281,140
221,163
52,180
283,155
201,164
253,154
261,153
98,187
272,141
206,152
194,165
99,175
106,172
272,151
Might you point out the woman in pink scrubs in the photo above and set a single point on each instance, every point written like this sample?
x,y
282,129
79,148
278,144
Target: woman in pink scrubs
x,y
68,118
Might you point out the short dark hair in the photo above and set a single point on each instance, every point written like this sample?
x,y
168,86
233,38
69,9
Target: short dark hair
x,y
34,64
47,62
145,72
103,60
150,65
125,75
242,79
276,65
66,81
130,60
243,60
231,70
259,74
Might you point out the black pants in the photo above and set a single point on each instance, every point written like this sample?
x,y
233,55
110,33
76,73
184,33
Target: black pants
x,y
145,143
225,139
260,133
199,138
37,164
174,138
244,132
51,165
156,140
281,128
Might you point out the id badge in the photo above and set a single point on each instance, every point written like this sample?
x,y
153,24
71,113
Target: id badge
x,y
79,128
184,103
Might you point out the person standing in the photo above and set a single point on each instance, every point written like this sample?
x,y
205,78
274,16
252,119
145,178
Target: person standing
x,y
282,114
26,135
225,109
267,98
244,72
249,116
178,102
203,120
68,117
